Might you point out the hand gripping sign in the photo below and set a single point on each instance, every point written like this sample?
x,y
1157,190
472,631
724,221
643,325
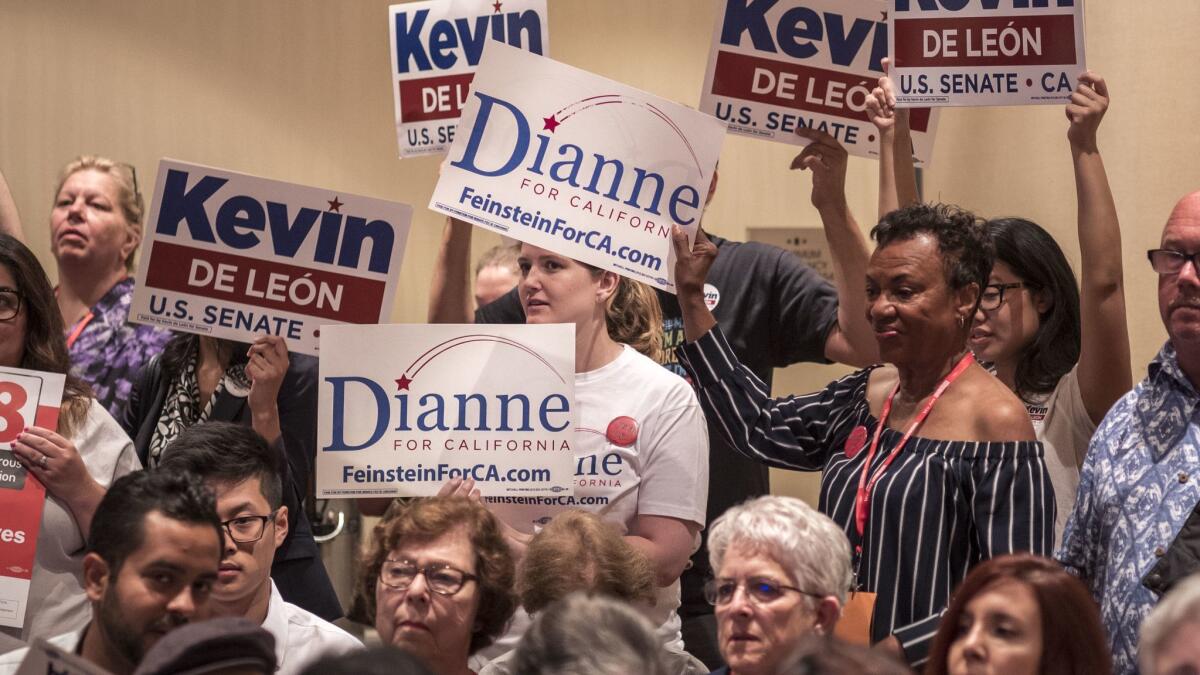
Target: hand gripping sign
x,y
578,164
27,398
406,408
235,256
779,65
436,46
985,52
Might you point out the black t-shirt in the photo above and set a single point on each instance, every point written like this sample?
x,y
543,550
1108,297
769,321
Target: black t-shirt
x,y
775,311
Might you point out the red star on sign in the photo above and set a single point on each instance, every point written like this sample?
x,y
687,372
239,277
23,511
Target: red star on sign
x,y
550,124
335,205
497,6
403,383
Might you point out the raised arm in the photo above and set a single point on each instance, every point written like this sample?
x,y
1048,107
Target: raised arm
x,y
10,220
852,341
1104,371
897,177
450,288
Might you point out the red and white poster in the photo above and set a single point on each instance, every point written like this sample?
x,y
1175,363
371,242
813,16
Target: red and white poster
x,y
27,398
985,52
436,46
775,67
235,256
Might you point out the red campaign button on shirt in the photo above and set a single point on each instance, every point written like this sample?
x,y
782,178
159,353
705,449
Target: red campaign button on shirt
x,y
856,441
622,431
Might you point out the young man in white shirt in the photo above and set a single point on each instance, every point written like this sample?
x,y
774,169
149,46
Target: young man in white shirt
x,y
246,475
153,553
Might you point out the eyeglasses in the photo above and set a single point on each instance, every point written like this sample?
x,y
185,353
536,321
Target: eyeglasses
x,y
1166,261
10,303
132,175
441,578
247,529
760,590
993,295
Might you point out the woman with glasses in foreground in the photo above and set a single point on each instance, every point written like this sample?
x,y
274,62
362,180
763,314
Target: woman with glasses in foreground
x,y
782,572
76,461
439,581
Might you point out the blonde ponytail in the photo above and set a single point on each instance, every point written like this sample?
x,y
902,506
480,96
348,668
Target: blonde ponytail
x,y
634,317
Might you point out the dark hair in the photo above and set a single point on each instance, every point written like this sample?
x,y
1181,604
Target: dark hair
x,y
227,452
426,520
1073,639
45,347
962,238
1037,259
117,527
385,660
183,347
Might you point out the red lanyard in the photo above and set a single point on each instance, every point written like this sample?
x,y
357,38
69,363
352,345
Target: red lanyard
x,y
862,503
79,329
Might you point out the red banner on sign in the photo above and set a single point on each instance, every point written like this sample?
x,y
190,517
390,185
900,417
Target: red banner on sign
x,y
434,98
985,41
753,78
264,283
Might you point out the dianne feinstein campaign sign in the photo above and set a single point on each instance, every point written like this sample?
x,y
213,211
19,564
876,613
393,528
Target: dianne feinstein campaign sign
x,y
779,65
578,164
235,256
435,48
27,398
985,52
405,408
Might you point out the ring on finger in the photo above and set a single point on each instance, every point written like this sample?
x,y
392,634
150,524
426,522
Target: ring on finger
x,y
44,460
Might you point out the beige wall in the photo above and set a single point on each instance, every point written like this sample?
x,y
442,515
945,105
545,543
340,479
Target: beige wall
x,y
300,91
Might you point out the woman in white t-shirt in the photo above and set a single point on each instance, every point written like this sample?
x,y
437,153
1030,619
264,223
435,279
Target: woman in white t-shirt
x,y
76,460
641,444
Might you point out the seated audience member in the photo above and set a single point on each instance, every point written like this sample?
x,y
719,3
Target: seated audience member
x,y
986,494
374,661
1138,487
440,577
152,560
578,552
95,229
1020,615
594,635
224,646
818,655
76,461
496,273
1169,642
245,475
782,572
198,379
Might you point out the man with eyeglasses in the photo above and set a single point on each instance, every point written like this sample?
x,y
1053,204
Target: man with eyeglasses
x,y
1136,523
246,476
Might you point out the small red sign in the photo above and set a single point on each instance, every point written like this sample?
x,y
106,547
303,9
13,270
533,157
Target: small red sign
x,y
856,441
622,431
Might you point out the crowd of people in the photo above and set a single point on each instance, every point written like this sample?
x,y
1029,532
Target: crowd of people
x,y
993,495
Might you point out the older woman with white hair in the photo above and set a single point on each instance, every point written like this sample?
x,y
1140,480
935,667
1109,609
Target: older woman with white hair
x,y
782,572
1170,636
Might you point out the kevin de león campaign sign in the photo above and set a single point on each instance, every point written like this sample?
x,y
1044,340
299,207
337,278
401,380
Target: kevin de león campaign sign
x,y
236,256
780,65
436,46
986,52
578,164
27,398
406,408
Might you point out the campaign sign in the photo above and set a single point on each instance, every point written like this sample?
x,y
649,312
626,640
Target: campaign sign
x,y
985,52
406,408
779,65
235,256
44,658
579,164
27,398
436,46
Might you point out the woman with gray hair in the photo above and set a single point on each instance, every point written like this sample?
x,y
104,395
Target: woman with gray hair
x,y
590,635
1170,636
782,572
